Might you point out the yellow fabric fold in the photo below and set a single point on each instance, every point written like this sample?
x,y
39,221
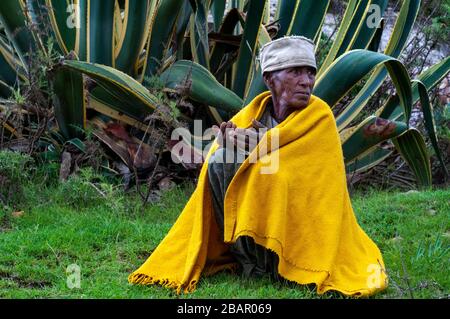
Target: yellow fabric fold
x,y
301,210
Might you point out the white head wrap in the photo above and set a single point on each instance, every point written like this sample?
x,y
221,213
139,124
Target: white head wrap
x,y
287,52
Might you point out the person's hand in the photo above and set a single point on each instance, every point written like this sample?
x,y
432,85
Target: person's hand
x,y
224,133
258,125
247,139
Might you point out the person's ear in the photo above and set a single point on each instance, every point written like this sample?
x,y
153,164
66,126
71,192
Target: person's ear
x,y
267,76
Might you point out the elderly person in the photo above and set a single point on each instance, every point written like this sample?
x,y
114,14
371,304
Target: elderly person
x,y
294,222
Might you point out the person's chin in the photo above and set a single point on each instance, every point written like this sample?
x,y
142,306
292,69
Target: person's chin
x,y
302,102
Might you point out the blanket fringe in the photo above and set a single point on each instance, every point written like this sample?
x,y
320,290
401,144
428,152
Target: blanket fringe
x,y
142,279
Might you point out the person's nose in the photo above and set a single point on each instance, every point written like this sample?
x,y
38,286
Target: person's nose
x,y
303,80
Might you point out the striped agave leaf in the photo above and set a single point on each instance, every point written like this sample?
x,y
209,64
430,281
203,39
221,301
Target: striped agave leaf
x,y
69,101
161,33
13,19
341,33
247,49
217,10
116,83
266,14
40,15
393,110
427,110
182,25
223,54
100,35
368,159
361,29
376,39
11,67
221,49
356,64
430,78
199,33
399,35
412,147
370,132
307,19
201,85
369,25
63,21
130,45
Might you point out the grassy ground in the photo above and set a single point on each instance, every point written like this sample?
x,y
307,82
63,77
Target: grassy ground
x,y
109,235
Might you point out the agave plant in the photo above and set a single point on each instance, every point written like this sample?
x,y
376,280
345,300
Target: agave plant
x,y
118,44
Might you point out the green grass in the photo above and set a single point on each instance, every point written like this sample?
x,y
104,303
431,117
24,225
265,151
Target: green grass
x,y
110,235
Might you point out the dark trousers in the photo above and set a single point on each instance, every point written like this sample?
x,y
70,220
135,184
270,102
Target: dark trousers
x,y
254,259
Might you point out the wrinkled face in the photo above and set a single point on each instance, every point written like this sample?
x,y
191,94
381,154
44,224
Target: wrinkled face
x,y
291,87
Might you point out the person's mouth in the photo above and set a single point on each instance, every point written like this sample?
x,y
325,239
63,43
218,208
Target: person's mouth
x,y
304,94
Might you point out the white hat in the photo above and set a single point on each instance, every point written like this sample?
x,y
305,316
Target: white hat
x,y
287,52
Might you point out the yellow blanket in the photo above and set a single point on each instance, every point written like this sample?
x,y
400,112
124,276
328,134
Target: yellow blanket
x,y
302,211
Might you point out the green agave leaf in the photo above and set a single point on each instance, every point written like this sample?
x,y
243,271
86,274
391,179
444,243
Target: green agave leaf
x,y
141,63
366,30
285,12
101,32
13,19
162,30
118,27
257,86
63,20
181,26
413,150
402,28
199,34
117,87
397,41
220,50
427,110
10,67
201,84
308,18
357,21
374,44
40,13
340,35
129,48
372,131
223,54
430,78
78,144
351,67
266,14
200,46
368,159
217,9
117,100
115,106
247,49
68,101
82,31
